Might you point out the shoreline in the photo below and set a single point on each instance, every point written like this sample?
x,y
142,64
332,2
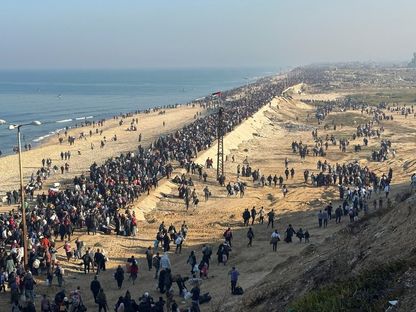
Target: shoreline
x,y
72,120
85,122
47,149
150,125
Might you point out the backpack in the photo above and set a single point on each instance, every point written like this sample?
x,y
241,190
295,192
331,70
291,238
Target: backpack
x,y
155,261
208,251
238,291
76,300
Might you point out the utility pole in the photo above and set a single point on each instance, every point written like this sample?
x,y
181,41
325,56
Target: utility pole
x,y
22,188
22,197
220,139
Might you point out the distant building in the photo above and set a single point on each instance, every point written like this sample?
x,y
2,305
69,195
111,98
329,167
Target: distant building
x,y
413,61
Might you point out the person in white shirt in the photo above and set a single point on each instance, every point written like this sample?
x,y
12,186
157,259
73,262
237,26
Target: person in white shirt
x,y
275,237
164,261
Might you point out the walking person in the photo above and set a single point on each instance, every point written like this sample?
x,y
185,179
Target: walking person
x,y
95,287
99,261
270,215
87,261
234,274
338,214
59,272
284,190
246,217
300,235
196,294
307,235
178,243
250,236
149,257
102,301
134,270
228,235
253,214
261,215
68,250
206,192
325,218
289,234
119,276
320,218
192,261
29,286
156,264
275,237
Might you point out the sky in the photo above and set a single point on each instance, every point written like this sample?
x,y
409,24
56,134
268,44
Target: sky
x,y
124,34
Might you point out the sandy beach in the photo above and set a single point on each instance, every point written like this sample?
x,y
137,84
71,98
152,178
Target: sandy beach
x,y
150,126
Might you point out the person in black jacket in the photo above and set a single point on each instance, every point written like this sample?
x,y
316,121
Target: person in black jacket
x,y
158,306
192,261
246,217
161,281
166,242
119,276
250,236
289,233
99,261
253,215
95,287
87,261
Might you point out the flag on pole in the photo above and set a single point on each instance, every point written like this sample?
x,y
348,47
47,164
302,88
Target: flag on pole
x,y
218,93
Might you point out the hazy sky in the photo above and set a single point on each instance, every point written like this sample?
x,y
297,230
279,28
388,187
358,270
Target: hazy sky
x,y
196,33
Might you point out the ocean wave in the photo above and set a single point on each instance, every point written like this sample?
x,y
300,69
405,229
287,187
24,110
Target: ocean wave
x,y
56,131
41,138
50,133
83,118
64,120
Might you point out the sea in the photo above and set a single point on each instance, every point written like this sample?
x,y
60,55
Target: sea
x,y
63,98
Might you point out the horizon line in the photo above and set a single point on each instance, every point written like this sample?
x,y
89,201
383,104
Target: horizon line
x,y
231,67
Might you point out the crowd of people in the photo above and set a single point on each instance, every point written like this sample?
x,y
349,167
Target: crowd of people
x,y
100,201
95,203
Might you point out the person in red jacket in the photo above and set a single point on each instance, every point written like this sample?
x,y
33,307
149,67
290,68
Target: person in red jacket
x,y
134,269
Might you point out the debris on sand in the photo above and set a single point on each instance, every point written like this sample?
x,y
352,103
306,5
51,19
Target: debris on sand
x,y
292,127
